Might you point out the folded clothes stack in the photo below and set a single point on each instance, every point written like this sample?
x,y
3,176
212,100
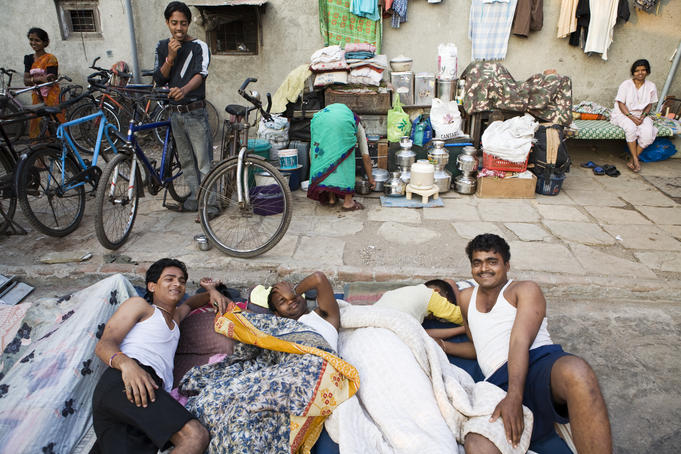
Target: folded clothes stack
x,y
329,66
366,68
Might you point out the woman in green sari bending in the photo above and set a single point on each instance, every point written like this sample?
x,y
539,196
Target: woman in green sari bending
x,y
335,131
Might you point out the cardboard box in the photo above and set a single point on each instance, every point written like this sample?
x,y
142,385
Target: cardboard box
x,y
506,188
382,161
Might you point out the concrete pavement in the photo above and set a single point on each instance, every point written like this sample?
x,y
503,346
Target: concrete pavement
x,y
606,251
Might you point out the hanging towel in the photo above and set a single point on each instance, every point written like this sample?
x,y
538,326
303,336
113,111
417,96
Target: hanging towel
x,y
365,8
489,27
351,30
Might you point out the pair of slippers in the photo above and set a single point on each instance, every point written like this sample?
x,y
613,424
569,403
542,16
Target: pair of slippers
x,y
605,169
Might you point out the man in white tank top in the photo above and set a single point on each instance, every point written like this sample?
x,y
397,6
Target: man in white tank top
x,y
507,322
132,408
287,301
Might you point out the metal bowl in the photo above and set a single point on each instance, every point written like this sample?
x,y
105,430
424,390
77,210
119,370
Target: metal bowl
x,y
202,243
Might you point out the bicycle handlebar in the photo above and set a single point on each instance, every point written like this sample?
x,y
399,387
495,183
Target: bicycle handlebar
x,y
256,102
98,79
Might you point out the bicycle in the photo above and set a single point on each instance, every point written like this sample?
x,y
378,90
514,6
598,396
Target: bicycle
x,y
245,204
123,183
9,158
51,180
12,105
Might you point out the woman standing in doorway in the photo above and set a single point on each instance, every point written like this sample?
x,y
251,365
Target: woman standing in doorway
x,y
39,68
635,98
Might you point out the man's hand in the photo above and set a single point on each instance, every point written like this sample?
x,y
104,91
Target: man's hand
x,y
139,386
173,46
219,301
176,93
511,411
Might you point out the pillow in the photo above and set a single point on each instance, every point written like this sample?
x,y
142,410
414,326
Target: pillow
x,y
198,342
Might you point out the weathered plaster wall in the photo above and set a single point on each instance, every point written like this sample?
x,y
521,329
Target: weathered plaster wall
x,y
291,34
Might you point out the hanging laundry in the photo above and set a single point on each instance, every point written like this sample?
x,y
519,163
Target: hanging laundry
x,y
365,8
489,28
567,19
338,25
583,15
604,15
529,16
399,8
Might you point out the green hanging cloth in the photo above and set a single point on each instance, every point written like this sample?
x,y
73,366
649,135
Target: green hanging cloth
x,y
339,26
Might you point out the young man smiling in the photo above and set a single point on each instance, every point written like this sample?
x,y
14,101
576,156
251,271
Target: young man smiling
x,y
506,320
131,405
182,63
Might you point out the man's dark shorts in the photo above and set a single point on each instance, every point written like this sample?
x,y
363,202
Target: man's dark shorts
x,y
122,427
537,394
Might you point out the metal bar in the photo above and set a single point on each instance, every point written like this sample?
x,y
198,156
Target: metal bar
x,y
670,78
133,43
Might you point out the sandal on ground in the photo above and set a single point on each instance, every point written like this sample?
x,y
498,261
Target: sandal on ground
x,y
589,165
178,208
355,206
611,171
598,170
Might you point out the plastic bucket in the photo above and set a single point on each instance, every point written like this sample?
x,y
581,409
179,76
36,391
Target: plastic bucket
x,y
550,187
293,177
267,200
260,147
288,159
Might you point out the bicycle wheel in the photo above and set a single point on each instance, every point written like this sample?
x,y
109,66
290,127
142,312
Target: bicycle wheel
x,y
84,135
213,119
14,130
162,114
177,188
255,226
8,197
116,202
50,207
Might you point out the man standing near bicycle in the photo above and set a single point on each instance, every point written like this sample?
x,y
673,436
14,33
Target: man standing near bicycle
x,y
182,63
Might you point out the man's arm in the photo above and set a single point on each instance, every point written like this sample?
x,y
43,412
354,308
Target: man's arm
x,y
326,301
161,66
139,386
531,310
178,93
210,296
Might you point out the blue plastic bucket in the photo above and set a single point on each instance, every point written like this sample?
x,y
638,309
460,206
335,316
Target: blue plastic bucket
x,y
288,158
551,187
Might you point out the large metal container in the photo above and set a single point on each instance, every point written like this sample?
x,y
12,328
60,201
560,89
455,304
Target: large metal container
x,y
446,88
380,177
403,83
424,89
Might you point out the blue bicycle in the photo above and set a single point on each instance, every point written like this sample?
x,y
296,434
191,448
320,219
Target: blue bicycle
x,y
123,184
52,180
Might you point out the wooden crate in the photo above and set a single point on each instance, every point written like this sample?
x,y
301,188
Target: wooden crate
x,y
359,103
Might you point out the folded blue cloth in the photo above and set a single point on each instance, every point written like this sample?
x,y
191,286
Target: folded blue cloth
x,y
362,54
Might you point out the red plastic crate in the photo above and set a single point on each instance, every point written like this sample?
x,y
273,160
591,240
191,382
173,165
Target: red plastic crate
x,y
493,163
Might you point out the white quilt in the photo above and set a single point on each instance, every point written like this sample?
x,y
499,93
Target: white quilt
x,y
411,399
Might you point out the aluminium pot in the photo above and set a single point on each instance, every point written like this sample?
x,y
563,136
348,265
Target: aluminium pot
x,y
362,187
465,184
395,187
380,177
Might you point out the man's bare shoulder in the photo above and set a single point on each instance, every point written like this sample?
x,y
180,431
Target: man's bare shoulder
x,y
465,296
135,304
525,291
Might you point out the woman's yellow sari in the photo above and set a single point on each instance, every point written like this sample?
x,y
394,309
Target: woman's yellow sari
x,y
47,95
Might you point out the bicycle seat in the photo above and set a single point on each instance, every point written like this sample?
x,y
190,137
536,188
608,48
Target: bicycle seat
x,y
235,109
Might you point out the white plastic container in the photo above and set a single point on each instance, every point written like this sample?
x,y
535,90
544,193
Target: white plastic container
x,y
422,175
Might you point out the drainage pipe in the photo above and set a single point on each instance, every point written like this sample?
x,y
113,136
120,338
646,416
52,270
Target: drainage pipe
x,y
670,77
133,43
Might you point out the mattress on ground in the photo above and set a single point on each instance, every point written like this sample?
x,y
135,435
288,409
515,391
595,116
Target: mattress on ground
x,y
603,129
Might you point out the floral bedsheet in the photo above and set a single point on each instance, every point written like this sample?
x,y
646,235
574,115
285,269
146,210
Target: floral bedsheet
x,y
48,371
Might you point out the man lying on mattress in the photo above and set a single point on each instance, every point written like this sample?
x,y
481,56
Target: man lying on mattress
x,y
283,379
132,408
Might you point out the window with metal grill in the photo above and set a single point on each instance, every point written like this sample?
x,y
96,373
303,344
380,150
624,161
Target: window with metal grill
x,y
83,20
79,18
232,30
